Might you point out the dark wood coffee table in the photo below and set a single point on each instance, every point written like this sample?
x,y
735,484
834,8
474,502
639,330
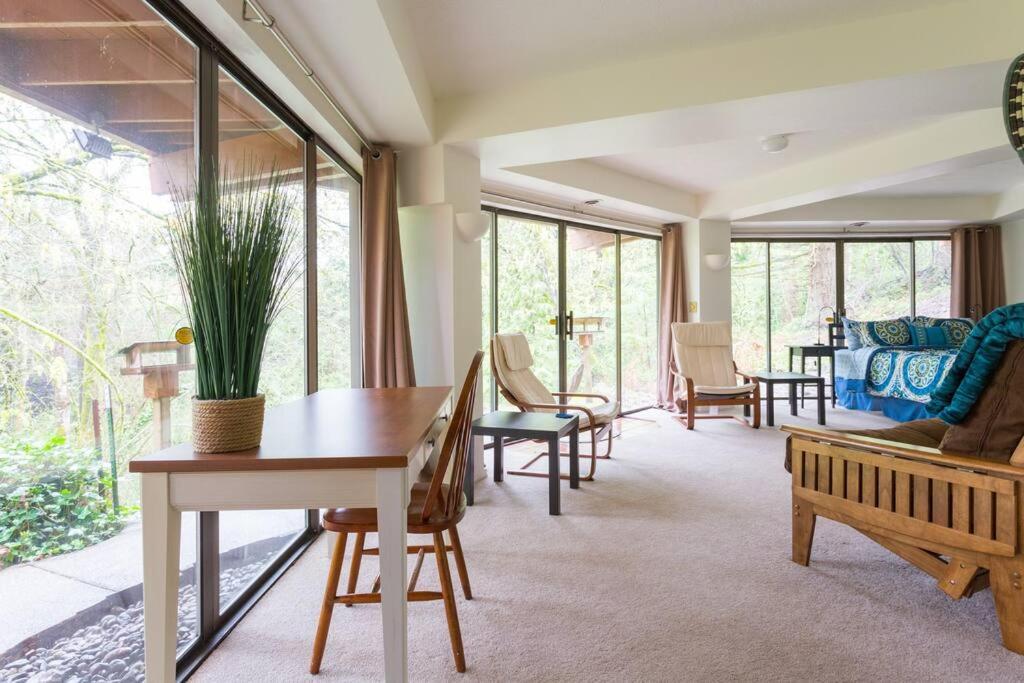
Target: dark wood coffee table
x,y
550,427
793,379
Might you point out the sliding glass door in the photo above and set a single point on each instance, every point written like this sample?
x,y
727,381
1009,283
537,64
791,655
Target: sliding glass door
x,y
585,297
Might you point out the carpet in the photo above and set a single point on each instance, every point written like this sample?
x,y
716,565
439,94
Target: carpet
x,y
674,565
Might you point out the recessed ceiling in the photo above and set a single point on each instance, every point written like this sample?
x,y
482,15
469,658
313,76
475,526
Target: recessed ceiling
x,y
475,45
706,167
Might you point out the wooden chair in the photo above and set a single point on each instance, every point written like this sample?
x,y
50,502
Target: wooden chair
x,y
435,507
511,361
703,364
959,519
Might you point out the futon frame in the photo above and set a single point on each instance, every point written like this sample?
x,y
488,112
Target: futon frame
x,y
959,519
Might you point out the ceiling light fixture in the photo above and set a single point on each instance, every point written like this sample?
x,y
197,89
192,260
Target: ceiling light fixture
x,y
773,144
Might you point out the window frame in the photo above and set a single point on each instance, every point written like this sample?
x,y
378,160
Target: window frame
x,y
840,266
214,624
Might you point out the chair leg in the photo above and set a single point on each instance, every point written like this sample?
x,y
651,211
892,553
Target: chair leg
x,y
803,531
691,414
757,407
327,609
357,559
448,594
460,562
1005,575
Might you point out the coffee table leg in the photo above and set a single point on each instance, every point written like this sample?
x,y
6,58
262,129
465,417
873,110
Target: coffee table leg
x,y
574,459
771,403
554,478
792,398
499,472
821,402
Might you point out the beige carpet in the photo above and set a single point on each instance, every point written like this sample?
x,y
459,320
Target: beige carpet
x,y
673,566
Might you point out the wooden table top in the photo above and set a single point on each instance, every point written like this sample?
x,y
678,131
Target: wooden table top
x,y
331,429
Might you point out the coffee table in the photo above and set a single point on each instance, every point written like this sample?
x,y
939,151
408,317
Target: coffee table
x,y
793,379
550,427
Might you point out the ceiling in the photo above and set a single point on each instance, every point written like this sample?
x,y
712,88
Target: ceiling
x,y
474,45
993,178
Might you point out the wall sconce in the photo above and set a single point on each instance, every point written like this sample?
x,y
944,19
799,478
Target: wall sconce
x,y
472,225
716,261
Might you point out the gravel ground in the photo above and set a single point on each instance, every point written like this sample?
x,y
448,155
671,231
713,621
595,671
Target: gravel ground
x,y
112,648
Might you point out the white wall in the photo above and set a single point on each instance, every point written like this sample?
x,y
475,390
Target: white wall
x,y
1013,255
710,290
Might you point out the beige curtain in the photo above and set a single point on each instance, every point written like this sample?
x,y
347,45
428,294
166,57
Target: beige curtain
x,y
387,348
673,309
978,285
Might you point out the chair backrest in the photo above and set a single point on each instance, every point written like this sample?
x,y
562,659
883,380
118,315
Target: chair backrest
x,y
455,451
511,361
703,352
836,335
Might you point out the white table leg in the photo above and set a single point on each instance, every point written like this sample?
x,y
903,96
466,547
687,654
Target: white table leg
x,y
392,501
161,541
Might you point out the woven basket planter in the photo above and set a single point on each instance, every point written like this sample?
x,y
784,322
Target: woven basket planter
x,y
223,426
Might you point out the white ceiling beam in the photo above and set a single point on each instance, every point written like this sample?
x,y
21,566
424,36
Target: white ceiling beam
x,y
938,37
883,210
1009,205
605,182
937,148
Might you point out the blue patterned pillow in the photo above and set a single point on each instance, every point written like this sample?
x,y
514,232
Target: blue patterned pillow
x,y
956,329
894,332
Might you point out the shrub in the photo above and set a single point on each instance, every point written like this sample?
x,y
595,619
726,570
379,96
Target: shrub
x,y
51,500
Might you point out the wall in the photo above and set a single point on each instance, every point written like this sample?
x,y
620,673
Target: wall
x,y
710,290
1013,255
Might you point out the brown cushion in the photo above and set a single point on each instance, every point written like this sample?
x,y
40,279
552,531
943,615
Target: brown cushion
x,y
927,433
995,425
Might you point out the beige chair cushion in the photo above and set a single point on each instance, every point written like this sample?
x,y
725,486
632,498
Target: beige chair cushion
x,y
522,383
516,351
737,390
703,352
604,413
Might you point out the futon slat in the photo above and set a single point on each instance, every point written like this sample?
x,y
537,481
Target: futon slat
x,y
902,493
962,507
982,513
869,485
885,489
922,498
940,503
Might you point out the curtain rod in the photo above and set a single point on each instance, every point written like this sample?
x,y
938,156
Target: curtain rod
x,y
265,19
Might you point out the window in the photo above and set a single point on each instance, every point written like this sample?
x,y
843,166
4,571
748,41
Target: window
x,y
780,289
544,277
105,107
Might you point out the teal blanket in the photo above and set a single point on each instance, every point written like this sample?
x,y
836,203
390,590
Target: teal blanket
x,y
978,359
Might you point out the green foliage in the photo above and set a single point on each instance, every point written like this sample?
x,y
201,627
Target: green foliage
x,y
234,246
51,500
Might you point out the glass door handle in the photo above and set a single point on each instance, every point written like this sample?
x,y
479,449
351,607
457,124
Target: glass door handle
x,y
569,325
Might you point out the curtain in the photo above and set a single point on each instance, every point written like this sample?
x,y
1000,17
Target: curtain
x,y
978,285
673,309
387,347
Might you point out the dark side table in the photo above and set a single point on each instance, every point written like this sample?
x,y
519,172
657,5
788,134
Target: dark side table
x,y
793,379
816,351
550,427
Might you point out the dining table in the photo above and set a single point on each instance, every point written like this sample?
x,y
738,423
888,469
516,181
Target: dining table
x,y
332,448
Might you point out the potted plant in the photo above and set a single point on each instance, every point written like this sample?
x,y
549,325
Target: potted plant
x,y
233,242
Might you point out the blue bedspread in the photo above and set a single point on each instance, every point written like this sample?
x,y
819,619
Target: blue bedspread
x,y
867,376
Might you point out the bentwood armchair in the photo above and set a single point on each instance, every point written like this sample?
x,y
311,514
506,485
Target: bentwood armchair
x,y
704,367
511,361
436,507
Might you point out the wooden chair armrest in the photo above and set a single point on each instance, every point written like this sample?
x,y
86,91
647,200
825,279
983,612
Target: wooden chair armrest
x,y
581,395
560,408
897,449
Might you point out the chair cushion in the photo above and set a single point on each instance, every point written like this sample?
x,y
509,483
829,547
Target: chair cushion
x,y
703,352
995,424
604,413
516,350
736,390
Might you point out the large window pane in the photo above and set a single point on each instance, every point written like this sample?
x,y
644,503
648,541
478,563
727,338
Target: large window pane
x,y
933,273
528,290
802,282
96,124
337,212
590,299
750,305
876,280
253,138
639,272
486,314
